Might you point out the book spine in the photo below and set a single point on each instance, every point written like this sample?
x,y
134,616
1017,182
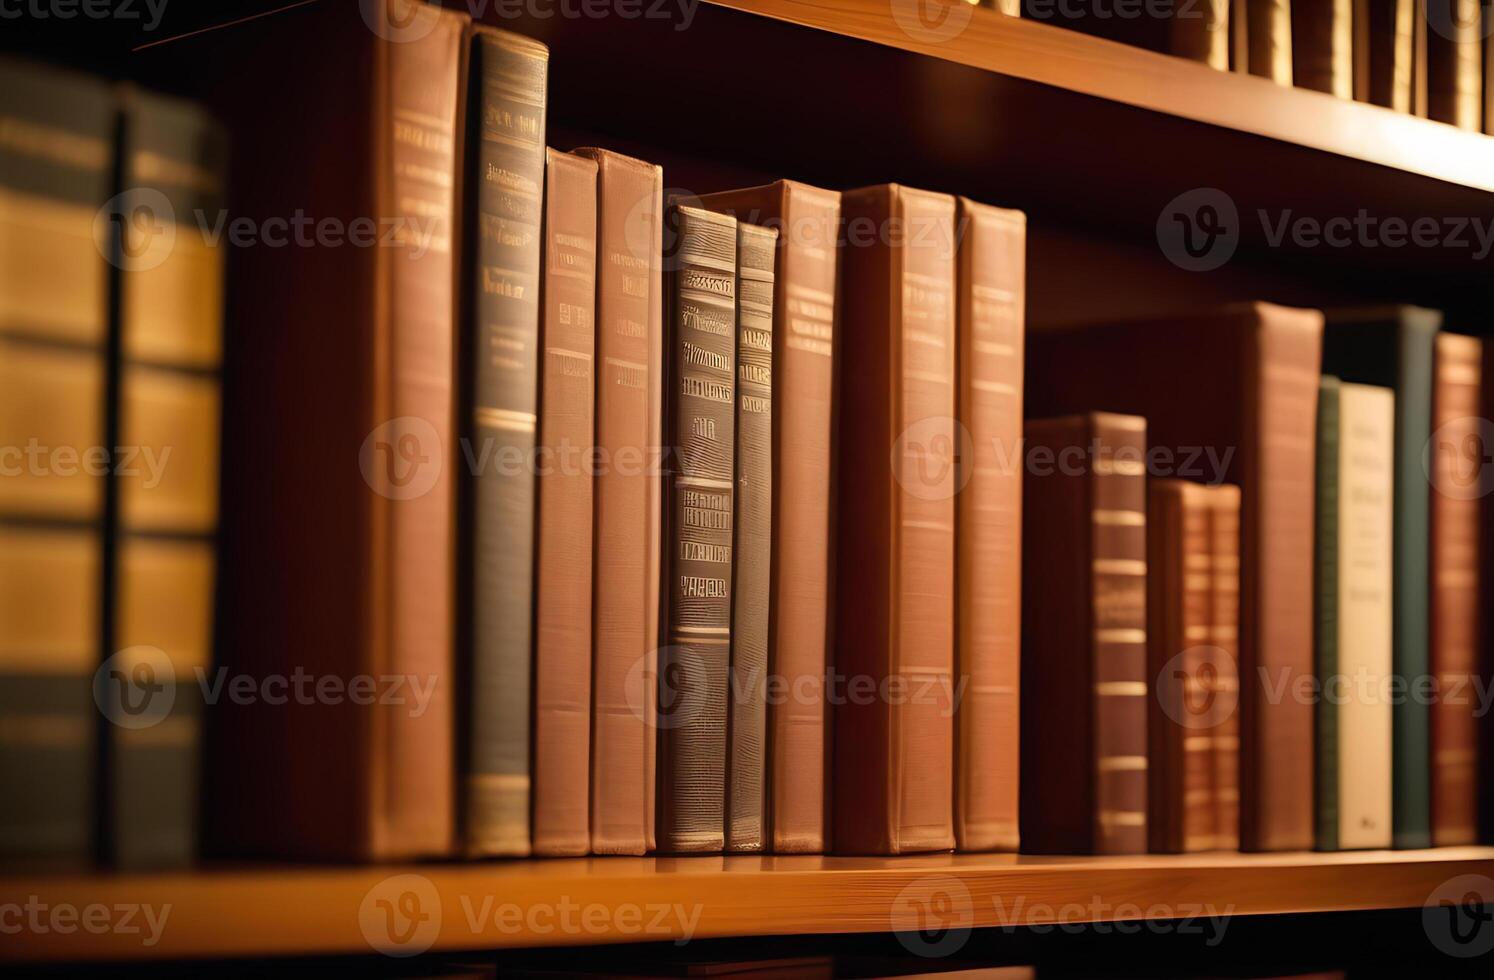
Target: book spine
x,y
701,431
1388,29
1326,623
1269,30
989,570
1454,62
505,194
1181,807
1365,561
1283,357
1322,47
753,531
163,553
409,585
1224,637
1118,576
1203,36
54,307
562,662
1456,625
624,646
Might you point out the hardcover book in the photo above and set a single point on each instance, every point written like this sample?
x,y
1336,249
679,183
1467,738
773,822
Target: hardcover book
x,y
1269,32
804,305
1385,37
896,542
701,431
1253,426
1224,636
1323,46
1084,636
1454,62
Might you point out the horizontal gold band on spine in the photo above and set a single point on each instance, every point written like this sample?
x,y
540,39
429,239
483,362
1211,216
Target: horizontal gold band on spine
x,y
1121,763
1119,467
700,481
1118,635
1118,566
699,640
1121,689
498,780
1122,818
1119,518
502,418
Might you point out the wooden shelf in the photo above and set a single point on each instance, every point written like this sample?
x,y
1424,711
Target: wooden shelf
x,y
282,911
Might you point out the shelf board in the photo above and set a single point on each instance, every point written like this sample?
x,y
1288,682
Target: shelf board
x,y
289,911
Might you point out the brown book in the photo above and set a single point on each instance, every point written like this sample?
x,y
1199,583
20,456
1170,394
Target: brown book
x,y
1269,32
990,309
1224,637
1203,34
562,612
1489,72
340,353
752,526
1254,426
1454,60
1192,798
807,220
1323,46
895,540
1384,52
700,429
1084,650
625,609
1456,623
503,197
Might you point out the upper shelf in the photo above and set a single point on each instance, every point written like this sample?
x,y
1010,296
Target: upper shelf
x,y
283,911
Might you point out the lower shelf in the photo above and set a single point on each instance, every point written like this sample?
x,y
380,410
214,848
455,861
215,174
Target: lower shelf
x,y
226,912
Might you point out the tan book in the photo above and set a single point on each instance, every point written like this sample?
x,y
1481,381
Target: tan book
x,y
1323,46
1454,62
1385,38
1224,502
1269,32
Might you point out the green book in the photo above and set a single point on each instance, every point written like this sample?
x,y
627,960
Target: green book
x,y
1393,347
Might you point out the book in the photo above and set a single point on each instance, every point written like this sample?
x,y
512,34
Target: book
x,y
1384,51
988,576
1356,426
625,559
56,173
752,529
1204,33
804,317
1393,347
1252,426
562,612
1223,502
1454,62
503,195
1268,29
1192,798
895,558
1457,622
1322,48
1084,640
338,578
701,433
163,555
1488,30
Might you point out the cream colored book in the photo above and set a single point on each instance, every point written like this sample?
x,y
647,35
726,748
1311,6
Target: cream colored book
x,y
1361,691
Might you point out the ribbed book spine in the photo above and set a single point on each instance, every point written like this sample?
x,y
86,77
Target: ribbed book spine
x,y
562,614
164,559
992,262
701,420
1325,627
1322,47
753,532
54,302
1224,636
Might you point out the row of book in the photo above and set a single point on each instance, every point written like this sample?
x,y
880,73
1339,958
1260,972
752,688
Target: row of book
x,y
1430,58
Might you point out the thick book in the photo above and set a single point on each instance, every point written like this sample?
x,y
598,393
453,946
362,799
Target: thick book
x,y
1454,62
339,391
55,174
1084,641
1457,622
1385,35
989,354
502,198
1224,636
163,553
808,220
895,557
1394,348
625,559
1356,444
752,530
1191,791
562,600
700,430
1268,29
1252,426
1323,46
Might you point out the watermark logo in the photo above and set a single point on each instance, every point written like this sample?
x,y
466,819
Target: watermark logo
x,y
402,458
399,21
1199,688
136,687
927,455
1462,21
932,916
40,917
1457,458
1459,916
135,230
932,21
401,915
1199,230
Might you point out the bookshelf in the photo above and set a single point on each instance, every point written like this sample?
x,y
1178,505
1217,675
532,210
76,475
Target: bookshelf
x,y
242,911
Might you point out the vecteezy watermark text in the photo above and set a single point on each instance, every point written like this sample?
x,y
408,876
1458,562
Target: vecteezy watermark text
x,y
38,917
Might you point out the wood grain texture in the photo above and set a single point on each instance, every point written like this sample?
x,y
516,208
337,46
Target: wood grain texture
x,y
284,911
